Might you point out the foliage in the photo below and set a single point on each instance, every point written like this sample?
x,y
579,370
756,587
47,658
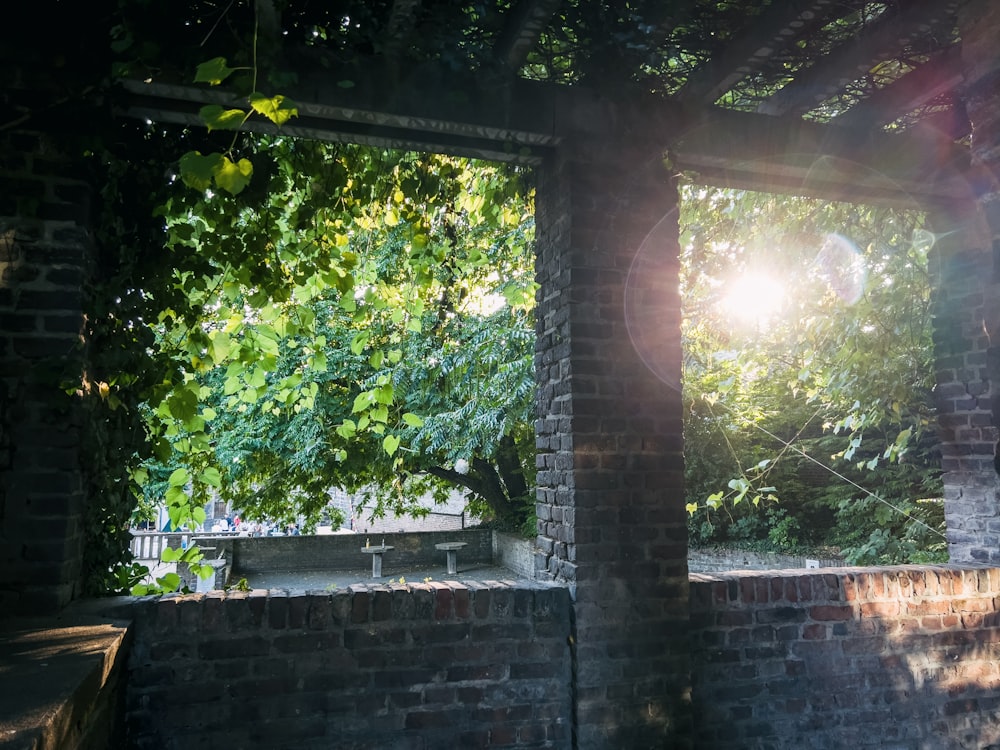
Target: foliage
x,y
331,336
822,403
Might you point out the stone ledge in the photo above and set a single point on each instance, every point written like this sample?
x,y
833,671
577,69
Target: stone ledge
x,y
60,680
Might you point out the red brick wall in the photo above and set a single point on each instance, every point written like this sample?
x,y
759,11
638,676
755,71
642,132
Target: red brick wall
x,y
398,666
903,657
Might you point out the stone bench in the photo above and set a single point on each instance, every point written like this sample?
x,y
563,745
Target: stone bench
x,y
376,553
451,548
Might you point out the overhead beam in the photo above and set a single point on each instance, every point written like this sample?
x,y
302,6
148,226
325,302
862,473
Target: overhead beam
x,y
798,157
885,38
772,31
939,75
521,121
523,26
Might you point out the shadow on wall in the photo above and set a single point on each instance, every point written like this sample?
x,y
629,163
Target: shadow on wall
x,y
903,657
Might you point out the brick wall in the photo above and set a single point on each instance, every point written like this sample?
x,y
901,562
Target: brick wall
x,y
611,520
903,657
380,667
966,264
44,246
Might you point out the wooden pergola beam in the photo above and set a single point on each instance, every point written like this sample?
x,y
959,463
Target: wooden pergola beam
x,y
939,75
519,121
880,42
777,27
523,25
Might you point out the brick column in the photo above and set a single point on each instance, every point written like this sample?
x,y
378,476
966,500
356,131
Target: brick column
x,y
610,500
44,243
966,263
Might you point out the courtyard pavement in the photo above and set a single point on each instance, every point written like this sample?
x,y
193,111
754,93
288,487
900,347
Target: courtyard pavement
x,y
332,580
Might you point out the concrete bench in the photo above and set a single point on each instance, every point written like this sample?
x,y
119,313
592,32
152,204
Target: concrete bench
x,y
451,548
376,553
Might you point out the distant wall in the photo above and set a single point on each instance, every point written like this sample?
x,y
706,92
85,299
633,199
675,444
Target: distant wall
x,y
723,559
904,657
398,666
514,553
343,551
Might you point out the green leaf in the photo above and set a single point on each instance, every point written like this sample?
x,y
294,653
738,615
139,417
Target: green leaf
x,y
211,476
217,118
362,401
413,420
197,171
213,72
359,342
233,177
178,477
175,496
170,582
277,109
390,443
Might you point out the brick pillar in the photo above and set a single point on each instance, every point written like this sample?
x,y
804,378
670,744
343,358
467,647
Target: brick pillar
x,y
966,262
43,246
610,499
962,267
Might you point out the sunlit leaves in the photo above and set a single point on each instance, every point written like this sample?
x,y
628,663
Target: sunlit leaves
x,y
842,379
217,118
200,172
306,309
213,72
278,109
233,176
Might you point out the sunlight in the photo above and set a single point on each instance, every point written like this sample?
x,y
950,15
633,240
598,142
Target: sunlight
x,y
752,299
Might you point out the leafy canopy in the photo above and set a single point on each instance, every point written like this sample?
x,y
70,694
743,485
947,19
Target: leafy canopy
x,y
808,374
362,318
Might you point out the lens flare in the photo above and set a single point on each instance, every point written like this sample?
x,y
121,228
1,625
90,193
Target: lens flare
x,y
842,267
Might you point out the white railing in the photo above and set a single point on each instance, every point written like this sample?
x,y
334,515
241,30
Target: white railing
x,y
149,545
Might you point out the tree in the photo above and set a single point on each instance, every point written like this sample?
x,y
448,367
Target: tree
x,y
823,401
363,321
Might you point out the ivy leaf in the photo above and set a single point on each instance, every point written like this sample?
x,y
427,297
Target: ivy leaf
x,y
213,72
197,170
178,477
170,582
277,109
212,477
359,342
183,404
217,118
390,444
347,429
233,177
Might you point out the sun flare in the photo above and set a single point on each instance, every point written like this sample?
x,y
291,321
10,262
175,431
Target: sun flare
x,y
752,299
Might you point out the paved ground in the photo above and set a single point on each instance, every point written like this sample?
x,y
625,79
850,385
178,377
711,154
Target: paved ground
x,y
331,580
